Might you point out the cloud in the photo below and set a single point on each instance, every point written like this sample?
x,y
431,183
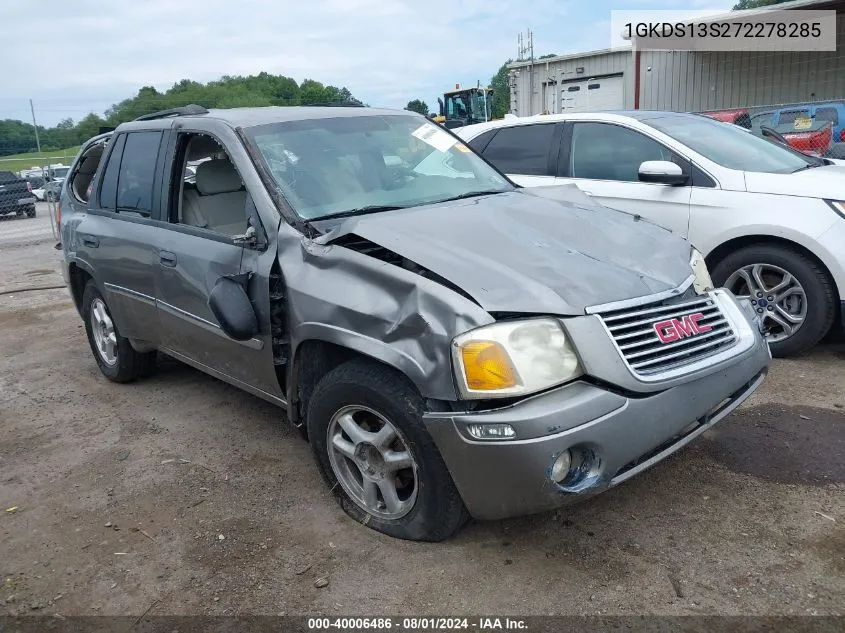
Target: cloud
x,y
89,54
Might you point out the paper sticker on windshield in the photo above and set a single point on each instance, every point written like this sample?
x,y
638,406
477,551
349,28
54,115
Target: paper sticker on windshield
x,y
434,136
803,123
462,148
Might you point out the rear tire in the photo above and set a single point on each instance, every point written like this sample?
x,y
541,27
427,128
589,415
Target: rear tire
x,y
815,283
430,510
114,355
30,212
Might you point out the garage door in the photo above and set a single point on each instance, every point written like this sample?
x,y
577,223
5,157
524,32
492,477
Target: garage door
x,y
590,95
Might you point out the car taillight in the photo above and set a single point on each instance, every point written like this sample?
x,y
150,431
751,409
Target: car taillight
x,y
29,186
842,135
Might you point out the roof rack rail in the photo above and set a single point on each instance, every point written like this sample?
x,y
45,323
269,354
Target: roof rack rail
x,y
335,104
181,111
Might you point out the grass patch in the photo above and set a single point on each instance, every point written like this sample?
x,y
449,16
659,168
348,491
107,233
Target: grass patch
x,y
17,162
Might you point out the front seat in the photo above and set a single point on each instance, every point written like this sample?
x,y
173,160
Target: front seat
x,y
219,201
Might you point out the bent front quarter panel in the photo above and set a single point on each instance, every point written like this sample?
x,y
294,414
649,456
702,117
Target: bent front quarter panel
x,y
383,311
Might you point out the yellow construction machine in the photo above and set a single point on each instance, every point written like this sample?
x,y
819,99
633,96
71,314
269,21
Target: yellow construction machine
x,y
465,106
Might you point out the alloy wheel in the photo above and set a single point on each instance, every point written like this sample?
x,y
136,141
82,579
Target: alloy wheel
x,y
776,295
102,328
372,462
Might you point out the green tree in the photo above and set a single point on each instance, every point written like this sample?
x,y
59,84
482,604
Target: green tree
x,y
501,91
547,56
754,4
229,91
418,106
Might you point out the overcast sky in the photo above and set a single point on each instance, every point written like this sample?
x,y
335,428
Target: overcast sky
x,y
76,57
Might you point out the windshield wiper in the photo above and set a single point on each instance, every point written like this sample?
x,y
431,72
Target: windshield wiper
x,y
807,166
372,208
469,194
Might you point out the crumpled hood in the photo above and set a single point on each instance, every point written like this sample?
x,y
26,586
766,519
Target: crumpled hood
x,y
818,182
545,250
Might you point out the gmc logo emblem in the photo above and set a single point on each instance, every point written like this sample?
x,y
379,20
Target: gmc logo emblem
x,y
676,329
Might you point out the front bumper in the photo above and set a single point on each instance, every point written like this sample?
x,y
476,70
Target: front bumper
x,y
625,434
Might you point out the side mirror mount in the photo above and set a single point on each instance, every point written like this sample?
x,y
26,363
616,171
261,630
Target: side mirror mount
x,y
232,308
663,172
254,236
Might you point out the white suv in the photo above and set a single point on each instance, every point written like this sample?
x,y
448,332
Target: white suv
x,y
770,221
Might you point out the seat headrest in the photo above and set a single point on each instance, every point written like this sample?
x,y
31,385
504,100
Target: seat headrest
x,y
217,176
202,146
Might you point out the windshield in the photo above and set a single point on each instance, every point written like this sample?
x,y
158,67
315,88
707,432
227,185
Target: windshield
x,y
334,166
729,146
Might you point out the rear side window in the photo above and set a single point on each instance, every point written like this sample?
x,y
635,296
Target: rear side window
x,y
523,149
108,189
479,143
790,115
137,171
827,114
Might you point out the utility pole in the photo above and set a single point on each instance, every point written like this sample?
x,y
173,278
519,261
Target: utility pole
x,y
35,125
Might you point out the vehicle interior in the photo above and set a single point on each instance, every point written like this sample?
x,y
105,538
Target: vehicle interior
x,y
86,169
211,193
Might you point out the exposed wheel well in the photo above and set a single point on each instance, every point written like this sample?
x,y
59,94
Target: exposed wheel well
x,y
313,360
721,251
78,280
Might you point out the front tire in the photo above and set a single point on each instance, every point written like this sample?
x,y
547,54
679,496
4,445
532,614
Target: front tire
x,y
115,357
792,293
365,427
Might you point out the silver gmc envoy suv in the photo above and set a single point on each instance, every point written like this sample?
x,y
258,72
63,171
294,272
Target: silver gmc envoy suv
x,y
451,344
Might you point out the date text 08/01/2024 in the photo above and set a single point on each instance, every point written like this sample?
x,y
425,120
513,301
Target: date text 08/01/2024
x,y
417,624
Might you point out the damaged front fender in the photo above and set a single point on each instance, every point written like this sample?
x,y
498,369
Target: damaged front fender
x,y
377,308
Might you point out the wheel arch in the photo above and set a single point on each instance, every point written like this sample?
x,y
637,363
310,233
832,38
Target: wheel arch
x,y
79,274
321,348
717,254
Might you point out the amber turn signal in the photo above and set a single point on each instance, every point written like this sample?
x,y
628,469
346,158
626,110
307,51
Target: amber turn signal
x,y
487,366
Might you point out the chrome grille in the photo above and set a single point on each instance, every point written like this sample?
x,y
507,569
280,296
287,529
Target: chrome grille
x,y
633,331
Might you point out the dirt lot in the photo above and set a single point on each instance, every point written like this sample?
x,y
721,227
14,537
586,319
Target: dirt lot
x,y
182,495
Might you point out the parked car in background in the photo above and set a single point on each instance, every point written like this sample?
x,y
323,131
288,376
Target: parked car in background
x,y
49,191
449,343
16,195
35,182
800,118
832,112
740,116
809,135
770,221
769,134
53,189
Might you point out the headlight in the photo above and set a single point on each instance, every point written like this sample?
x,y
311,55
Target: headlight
x,y
702,282
513,358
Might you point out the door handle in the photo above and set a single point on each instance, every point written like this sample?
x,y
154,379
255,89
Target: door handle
x,y
91,242
167,259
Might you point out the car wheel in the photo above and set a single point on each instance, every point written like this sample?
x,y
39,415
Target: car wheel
x,y
365,427
30,212
117,360
792,294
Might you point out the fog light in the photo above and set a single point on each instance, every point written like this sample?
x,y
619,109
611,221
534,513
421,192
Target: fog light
x,y
560,468
491,431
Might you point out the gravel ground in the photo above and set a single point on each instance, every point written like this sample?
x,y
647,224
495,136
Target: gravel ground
x,y
182,495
